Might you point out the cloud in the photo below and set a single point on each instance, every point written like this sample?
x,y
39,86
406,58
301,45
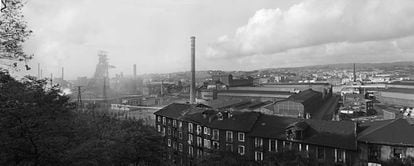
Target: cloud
x,y
317,22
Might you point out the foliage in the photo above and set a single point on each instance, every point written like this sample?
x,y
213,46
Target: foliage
x,y
400,162
38,126
13,31
288,157
225,158
34,122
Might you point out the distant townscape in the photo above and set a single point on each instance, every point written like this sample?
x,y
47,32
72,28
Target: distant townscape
x,y
342,114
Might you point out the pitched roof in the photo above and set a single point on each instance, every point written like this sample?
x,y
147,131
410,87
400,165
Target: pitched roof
x,y
331,133
255,92
391,132
325,133
239,121
177,110
305,96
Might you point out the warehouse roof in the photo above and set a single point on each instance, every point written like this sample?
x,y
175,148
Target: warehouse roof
x,y
177,110
399,90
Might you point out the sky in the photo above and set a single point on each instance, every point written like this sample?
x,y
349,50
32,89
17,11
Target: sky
x,y
230,34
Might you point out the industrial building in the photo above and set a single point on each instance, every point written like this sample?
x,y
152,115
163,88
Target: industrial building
x,y
229,81
257,95
403,97
300,105
324,88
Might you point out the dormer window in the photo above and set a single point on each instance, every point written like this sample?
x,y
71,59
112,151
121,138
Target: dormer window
x,y
219,116
296,130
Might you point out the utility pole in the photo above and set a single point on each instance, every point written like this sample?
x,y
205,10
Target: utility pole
x,y
79,104
104,94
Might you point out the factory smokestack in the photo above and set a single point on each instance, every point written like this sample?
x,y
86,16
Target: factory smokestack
x,y
354,74
192,88
63,72
135,71
38,70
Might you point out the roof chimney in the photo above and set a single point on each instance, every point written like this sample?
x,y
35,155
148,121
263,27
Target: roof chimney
x,y
192,87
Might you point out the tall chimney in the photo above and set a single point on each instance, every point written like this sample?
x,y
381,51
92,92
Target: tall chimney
x,y
38,70
63,72
135,71
354,74
192,90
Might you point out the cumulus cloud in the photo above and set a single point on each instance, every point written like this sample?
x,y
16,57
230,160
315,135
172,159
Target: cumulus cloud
x,y
317,22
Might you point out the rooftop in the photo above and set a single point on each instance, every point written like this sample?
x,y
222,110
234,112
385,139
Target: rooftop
x,y
239,121
319,132
306,96
393,132
399,90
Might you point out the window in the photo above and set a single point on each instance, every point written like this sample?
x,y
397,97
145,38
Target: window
x,y
207,144
199,142
163,131
174,123
180,147
339,156
241,150
229,147
229,136
190,127
159,118
215,134
206,131
258,142
321,153
199,130
216,145
169,142
190,139
199,153
164,120
174,144
180,125
180,135
158,128
374,153
190,150
169,131
241,137
398,153
258,156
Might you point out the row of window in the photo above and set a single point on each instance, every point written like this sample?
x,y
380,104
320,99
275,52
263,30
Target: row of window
x,y
199,130
164,121
258,142
339,154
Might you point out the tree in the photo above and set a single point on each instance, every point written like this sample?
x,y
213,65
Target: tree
x,y
13,31
39,126
288,157
35,122
225,158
